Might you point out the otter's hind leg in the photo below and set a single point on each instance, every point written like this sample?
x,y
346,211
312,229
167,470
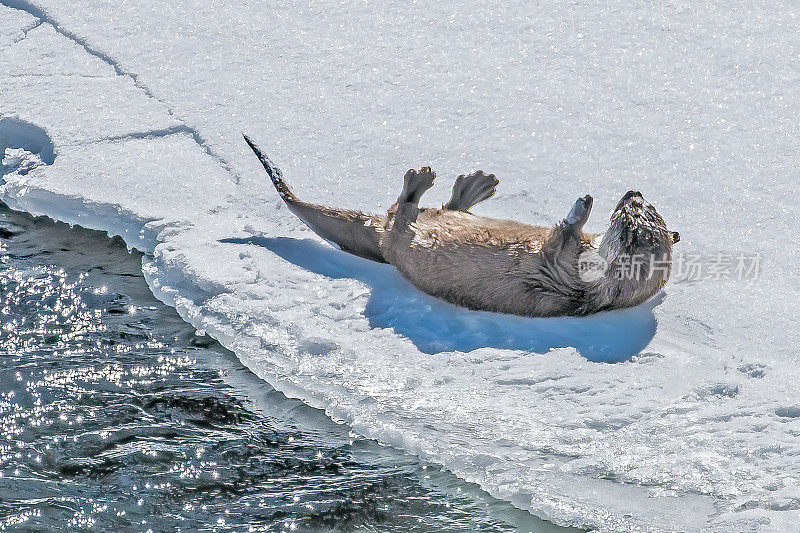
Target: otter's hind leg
x,y
415,183
470,189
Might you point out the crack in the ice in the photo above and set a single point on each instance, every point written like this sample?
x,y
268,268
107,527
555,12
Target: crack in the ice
x,y
53,74
26,31
149,134
39,13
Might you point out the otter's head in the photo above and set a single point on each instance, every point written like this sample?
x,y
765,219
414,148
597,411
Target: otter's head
x,y
638,249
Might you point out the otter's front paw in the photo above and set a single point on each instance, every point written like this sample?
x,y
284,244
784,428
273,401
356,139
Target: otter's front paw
x,y
579,213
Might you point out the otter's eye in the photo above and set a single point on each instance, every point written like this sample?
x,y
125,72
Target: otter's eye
x,y
676,237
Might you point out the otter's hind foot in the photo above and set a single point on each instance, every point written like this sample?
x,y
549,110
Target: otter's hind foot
x,y
415,183
470,189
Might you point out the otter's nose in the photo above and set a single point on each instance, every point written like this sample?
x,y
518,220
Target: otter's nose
x,y
631,194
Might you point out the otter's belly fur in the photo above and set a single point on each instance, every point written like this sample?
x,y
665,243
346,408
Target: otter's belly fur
x,y
476,262
499,265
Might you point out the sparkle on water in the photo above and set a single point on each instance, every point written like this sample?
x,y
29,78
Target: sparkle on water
x,y
115,415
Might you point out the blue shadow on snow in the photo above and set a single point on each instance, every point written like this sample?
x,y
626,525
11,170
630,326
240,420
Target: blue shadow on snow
x,y
435,326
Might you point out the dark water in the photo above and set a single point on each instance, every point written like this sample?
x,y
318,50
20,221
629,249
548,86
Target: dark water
x,y
115,416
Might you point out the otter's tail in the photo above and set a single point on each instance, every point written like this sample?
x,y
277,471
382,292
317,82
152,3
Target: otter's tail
x,y
352,231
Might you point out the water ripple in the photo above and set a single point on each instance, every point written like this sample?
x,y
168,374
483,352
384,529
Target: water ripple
x,y
115,415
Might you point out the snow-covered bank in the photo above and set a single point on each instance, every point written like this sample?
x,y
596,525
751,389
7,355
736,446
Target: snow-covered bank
x,y
694,105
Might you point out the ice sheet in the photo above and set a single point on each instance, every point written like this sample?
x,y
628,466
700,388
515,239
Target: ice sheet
x,y
692,104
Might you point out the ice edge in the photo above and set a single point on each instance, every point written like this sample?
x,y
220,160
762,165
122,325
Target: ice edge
x,y
44,18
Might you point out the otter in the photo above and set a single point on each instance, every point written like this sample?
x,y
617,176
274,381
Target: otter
x,y
496,265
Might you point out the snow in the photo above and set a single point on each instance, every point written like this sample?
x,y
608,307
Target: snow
x,y
127,117
14,24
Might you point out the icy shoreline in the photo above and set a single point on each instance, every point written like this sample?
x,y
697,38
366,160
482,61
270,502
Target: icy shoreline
x,y
697,430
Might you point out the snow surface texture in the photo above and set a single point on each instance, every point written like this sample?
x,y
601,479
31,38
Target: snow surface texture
x,y
126,117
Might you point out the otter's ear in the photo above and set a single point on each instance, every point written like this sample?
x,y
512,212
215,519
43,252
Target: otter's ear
x,y
676,237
